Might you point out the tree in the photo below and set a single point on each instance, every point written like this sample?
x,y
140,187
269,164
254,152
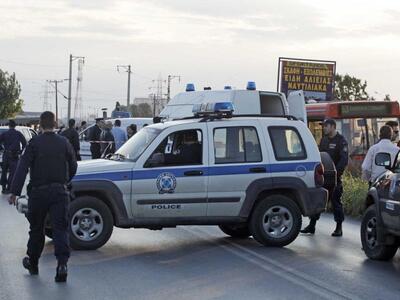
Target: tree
x,y
348,88
143,110
10,89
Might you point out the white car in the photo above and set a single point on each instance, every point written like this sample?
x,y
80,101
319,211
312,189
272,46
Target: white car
x,y
125,122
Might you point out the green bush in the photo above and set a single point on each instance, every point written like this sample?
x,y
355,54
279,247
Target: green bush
x,y
354,193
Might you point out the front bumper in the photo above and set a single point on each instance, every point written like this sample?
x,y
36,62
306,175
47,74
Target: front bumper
x,y
315,201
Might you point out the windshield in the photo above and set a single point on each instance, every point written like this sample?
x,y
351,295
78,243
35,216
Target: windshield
x,y
135,146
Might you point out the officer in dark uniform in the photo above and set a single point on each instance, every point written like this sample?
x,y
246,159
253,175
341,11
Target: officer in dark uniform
x,y
73,137
14,142
52,164
336,146
94,138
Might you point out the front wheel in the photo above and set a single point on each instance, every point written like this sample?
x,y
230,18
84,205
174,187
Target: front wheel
x,y
369,238
275,221
91,223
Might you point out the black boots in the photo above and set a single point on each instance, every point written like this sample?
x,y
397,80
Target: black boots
x,y
62,272
310,228
31,266
338,231
4,190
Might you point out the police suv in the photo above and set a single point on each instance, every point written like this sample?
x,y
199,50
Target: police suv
x,y
249,175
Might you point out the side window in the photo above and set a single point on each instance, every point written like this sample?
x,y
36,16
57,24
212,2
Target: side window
x,y
236,145
178,149
287,143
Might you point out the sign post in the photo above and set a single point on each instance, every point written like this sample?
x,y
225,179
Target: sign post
x,y
315,77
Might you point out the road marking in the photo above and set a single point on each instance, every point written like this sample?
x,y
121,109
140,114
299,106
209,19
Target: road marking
x,y
309,283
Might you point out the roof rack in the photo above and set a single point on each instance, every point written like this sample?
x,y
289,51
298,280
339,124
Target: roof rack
x,y
213,117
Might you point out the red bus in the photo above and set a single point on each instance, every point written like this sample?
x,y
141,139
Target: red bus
x,y
358,121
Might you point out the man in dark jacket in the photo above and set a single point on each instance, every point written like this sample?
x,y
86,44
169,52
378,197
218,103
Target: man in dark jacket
x,y
94,138
51,161
13,142
336,146
107,140
73,137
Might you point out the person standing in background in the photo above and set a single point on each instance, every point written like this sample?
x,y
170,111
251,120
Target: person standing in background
x,y
73,137
94,139
119,134
107,140
14,143
131,130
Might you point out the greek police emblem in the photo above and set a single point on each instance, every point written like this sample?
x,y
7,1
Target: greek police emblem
x,y
166,183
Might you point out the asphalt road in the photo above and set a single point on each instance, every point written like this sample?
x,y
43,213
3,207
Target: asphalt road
x,y
199,263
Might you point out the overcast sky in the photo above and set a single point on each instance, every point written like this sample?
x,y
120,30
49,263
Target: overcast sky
x,y
208,42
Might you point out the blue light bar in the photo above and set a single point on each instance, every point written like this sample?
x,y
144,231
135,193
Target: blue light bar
x,y
227,87
190,87
213,109
251,86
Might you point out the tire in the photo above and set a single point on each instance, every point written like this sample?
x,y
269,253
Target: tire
x,y
91,223
275,221
368,235
240,231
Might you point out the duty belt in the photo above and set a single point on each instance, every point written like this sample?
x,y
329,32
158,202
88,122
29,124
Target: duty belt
x,y
48,186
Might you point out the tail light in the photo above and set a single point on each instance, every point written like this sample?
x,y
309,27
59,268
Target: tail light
x,y
319,175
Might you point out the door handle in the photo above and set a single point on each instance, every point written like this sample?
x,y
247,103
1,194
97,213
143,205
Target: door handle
x,y
193,173
258,170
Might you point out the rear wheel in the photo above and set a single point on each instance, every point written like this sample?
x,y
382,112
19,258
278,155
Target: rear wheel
x,y
369,238
275,221
240,231
91,223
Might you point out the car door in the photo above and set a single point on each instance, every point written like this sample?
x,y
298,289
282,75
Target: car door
x,y
237,158
171,189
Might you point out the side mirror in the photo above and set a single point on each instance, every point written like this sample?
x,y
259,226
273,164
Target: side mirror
x,y
383,159
157,159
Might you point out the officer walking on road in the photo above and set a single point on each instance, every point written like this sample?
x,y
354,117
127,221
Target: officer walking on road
x,y
73,137
336,146
52,164
94,138
14,142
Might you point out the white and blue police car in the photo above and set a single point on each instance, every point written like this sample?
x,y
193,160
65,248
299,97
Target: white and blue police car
x,y
248,174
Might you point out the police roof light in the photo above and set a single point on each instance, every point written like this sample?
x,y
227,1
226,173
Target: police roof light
x,y
227,87
190,87
219,109
251,86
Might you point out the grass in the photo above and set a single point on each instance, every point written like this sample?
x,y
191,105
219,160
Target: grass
x,y
354,192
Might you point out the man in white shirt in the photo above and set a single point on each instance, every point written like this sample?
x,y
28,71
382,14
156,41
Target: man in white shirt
x,y
119,135
370,171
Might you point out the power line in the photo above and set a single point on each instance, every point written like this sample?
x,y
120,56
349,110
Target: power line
x,y
31,64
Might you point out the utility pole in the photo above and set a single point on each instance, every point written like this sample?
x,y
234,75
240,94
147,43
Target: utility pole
x,y
71,59
56,87
170,77
128,70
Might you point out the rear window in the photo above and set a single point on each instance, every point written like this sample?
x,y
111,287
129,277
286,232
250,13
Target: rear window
x,y
287,143
236,145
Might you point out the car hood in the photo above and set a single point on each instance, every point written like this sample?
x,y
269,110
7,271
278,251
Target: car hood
x,y
102,169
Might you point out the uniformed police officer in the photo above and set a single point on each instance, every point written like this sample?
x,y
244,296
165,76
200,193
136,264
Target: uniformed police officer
x,y
52,163
94,138
14,142
336,146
